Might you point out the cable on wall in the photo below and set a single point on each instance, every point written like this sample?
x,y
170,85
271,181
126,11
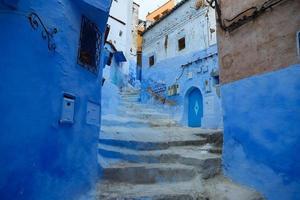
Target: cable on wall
x,y
245,16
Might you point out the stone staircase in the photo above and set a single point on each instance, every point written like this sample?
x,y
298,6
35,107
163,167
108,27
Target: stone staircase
x,y
144,154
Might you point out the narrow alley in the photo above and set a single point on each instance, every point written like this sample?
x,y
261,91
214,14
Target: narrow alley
x,y
150,100
144,154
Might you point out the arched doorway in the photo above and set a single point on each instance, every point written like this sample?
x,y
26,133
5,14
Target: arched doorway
x,y
195,108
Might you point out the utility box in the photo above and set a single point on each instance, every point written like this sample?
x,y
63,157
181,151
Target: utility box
x,y
93,114
68,109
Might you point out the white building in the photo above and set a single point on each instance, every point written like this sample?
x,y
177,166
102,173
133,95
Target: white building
x,y
180,64
120,22
195,27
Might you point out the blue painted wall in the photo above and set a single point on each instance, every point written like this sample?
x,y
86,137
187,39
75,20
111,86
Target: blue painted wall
x,y
165,72
113,72
40,158
262,133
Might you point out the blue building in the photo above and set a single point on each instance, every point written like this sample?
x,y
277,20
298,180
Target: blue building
x,y
114,60
260,69
51,75
180,65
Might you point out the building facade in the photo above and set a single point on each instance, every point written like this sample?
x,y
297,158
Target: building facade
x,y
139,53
180,64
122,35
260,70
51,72
160,12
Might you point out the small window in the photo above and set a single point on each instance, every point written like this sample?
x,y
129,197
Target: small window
x,y
109,61
151,61
298,42
89,49
166,41
181,43
120,33
216,80
156,18
165,12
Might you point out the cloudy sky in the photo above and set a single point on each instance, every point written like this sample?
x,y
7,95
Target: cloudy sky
x,y
148,6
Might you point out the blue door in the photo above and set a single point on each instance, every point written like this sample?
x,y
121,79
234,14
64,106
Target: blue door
x,y
195,108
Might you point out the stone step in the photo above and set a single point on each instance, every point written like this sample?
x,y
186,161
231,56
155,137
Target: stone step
x,y
117,171
155,145
149,115
207,164
189,190
218,188
130,97
141,123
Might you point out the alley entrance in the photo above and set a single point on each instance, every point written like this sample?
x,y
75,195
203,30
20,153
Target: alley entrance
x,y
195,107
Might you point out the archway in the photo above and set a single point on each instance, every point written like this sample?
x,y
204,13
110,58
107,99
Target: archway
x,y
194,107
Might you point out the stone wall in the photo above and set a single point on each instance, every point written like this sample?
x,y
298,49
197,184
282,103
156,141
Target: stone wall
x,y
263,45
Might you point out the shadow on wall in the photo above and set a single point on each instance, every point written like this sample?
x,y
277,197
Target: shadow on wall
x,y
261,132
40,157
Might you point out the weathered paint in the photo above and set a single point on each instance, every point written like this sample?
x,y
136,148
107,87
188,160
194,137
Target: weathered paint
x,y
168,70
198,26
190,67
41,158
263,45
261,138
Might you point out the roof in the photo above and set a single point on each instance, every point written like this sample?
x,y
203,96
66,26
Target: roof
x,y
165,16
149,13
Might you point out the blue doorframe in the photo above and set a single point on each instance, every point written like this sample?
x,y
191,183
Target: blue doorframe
x,y
195,108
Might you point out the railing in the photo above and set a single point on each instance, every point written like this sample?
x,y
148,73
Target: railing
x,y
160,98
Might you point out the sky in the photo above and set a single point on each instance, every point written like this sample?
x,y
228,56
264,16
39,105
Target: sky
x,y
148,6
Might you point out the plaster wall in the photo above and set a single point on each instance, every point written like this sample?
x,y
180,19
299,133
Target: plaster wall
x,y
261,132
169,70
113,73
263,45
122,10
42,158
186,21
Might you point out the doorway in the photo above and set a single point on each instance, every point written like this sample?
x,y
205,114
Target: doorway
x,y
195,108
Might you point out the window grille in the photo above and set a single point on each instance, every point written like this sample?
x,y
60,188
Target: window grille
x,y
89,49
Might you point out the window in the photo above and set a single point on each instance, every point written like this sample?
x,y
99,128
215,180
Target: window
x,y
109,61
156,18
181,43
165,12
120,33
89,49
151,61
166,41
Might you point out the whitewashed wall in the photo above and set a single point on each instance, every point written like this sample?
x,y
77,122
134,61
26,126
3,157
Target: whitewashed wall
x,y
197,26
122,10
